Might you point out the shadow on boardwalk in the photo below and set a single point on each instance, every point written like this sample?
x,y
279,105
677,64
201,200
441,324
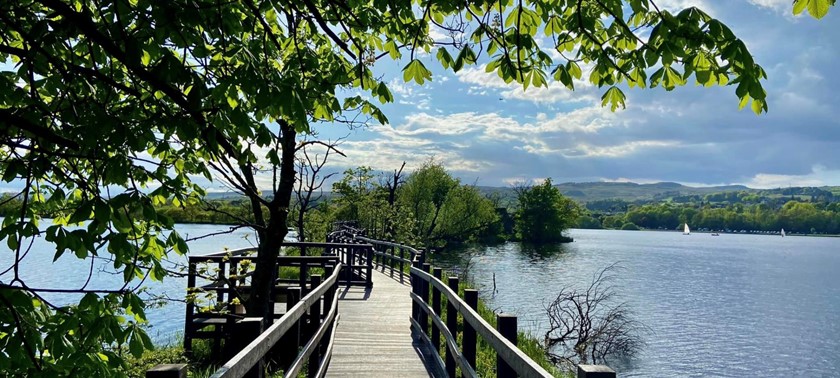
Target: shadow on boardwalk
x,y
374,336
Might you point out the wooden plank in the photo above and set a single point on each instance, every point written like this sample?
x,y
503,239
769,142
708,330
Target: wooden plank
x,y
373,337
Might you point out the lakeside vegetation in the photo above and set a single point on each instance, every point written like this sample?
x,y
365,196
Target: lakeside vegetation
x,y
802,210
360,195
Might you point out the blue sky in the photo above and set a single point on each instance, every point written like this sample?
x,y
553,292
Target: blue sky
x,y
488,132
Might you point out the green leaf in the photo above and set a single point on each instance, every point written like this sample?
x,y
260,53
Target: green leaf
x,y
799,6
819,8
135,345
415,70
744,101
615,97
444,58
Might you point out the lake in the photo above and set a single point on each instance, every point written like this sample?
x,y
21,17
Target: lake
x,y
730,305
166,323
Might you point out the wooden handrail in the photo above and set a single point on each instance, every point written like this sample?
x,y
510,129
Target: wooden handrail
x,y
518,360
237,252
304,354
413,251
509,353
243,361
451,341
397,258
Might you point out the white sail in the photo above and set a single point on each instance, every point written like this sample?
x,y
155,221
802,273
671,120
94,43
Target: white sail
x,y
783,232
686,230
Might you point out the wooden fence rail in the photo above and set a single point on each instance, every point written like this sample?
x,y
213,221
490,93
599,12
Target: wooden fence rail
x,y
317,350
514,361
226,276
426,292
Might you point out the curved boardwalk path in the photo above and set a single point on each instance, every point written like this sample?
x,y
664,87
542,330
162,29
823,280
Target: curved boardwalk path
x,y
373,338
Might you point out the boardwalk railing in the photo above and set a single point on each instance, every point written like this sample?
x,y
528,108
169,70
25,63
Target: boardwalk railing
x,y
223,280
393,257
317,350
426,292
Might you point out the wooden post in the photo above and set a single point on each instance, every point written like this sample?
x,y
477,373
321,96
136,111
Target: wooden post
x,y
469,339
330,294
244,332
190,307
369,252
285,351
451,325
304,271
415,289
168,371
391,262
314,323
595,371
402,264
506,325
424,294
438,274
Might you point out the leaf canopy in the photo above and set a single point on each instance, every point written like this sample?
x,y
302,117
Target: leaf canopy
x,y
109,108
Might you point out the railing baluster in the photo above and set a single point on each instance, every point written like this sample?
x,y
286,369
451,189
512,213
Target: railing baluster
x,y
468,341
314,323
190,307
438,274
402,267
451,325
369,252
424,293
304,272
506,324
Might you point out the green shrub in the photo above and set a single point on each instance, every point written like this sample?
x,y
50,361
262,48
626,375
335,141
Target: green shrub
x,y
629,227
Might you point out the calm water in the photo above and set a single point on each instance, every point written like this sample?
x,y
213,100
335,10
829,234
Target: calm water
x,y
732,305
167,322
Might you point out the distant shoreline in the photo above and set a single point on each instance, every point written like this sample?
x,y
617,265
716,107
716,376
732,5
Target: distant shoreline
x,y
760,233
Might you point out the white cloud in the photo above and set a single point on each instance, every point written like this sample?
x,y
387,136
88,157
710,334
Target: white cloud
x,y
819,176
479,79
585,150
781,6
678,5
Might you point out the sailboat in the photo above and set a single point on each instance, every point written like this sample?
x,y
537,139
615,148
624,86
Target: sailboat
x,y
686,230
783,232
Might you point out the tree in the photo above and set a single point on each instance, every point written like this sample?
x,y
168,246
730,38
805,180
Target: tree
x,y
543,213
444,209
114,106
309,185
588,326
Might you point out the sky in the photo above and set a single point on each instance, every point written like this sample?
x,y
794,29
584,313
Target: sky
x,y
485,131
494,134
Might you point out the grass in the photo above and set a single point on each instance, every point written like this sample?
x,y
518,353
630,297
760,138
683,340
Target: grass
x,y
199,364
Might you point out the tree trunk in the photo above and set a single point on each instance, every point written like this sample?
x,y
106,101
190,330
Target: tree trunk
x,y
270,238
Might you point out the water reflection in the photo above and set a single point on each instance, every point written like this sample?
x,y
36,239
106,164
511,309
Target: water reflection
x,y
537,253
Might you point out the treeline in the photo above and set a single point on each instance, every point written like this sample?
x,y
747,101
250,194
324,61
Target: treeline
x,y
794,216
427,207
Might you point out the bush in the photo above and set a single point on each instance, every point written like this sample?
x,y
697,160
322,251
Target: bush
x,y
629,226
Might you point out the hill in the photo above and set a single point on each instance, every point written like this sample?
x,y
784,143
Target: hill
x,y
627,191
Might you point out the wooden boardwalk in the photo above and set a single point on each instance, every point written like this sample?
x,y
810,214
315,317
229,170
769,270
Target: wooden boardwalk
x,y
373,338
